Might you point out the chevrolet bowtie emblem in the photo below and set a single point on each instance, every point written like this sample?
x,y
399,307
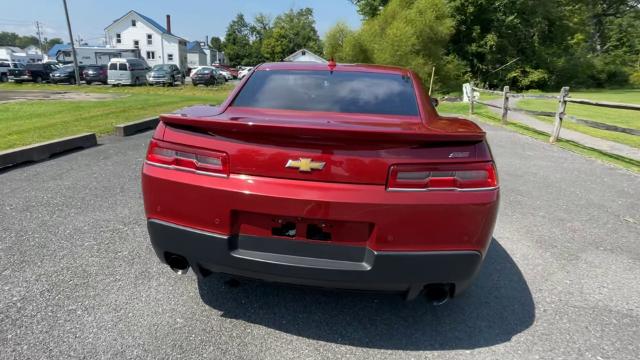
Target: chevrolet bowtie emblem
x,y
305,164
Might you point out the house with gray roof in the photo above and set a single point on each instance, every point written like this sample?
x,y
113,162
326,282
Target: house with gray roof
x,y
157,43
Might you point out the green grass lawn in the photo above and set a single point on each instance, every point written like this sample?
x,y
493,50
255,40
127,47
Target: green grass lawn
x,y
28,122
623,118
484,114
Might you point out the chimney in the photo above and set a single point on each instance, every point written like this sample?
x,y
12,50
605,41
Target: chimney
x,y
169,23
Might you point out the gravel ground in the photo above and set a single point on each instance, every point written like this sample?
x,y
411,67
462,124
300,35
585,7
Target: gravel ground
x,y
79,278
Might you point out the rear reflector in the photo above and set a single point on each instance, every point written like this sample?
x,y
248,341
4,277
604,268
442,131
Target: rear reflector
x,y
471,176
186,158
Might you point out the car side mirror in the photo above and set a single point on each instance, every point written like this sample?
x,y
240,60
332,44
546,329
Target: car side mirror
x,y
434,101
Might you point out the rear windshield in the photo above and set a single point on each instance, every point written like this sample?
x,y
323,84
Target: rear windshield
x,y
340,91
122,66
113,66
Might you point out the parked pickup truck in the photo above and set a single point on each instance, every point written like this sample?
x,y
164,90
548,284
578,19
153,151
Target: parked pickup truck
x,y
38,72
4,69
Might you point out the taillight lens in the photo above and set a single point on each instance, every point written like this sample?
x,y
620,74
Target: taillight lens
x,y
188,158
443,177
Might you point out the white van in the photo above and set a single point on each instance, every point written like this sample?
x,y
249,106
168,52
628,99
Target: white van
x,y
127,71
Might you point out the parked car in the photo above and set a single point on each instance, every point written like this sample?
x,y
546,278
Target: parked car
x,y
193,71
227,75
95,73
233,72
207,76
66,74
127,71
344,179
4,69
37,72
165,74
242,73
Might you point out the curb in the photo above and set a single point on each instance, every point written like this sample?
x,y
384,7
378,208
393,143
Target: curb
x,y
135,127
42,151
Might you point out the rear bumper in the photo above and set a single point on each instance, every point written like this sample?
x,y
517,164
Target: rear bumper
x,y
119,82
20,78
314,263
158,80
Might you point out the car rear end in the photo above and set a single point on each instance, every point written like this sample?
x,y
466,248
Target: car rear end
x,y
119,73
95,73
352,181
204,76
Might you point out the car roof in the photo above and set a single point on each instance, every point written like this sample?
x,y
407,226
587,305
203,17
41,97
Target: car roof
x,y
314,66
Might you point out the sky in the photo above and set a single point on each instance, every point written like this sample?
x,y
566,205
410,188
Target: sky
x,y
192,20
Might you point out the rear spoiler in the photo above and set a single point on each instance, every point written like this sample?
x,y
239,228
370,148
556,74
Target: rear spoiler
x,y
442,131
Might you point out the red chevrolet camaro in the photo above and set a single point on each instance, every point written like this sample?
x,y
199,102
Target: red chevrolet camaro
x,y
331,175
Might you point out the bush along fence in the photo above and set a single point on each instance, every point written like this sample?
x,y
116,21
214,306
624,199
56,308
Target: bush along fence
x,y
560,115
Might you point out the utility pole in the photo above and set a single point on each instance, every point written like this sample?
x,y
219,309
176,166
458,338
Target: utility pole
x,y
73,47
39,33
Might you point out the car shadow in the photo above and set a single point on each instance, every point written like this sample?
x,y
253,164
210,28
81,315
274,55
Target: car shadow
x,y
496,307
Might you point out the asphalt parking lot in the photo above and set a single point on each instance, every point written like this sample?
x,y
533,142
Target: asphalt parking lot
x,y
80,280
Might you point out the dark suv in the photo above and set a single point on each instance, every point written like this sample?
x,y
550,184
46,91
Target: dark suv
x,y
95,73
33,72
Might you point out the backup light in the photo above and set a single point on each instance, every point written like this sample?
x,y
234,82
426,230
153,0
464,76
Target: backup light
x,y
187,158
469,176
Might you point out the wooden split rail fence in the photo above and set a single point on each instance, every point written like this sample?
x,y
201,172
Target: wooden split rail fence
x,y
560,115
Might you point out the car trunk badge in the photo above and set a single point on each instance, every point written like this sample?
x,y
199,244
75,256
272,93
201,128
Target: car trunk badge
x,y
305,164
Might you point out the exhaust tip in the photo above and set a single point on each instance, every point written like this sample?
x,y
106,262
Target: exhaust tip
x,y
177,263
437,294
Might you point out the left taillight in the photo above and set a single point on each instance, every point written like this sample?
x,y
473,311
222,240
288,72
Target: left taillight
x,y
464,176
187,158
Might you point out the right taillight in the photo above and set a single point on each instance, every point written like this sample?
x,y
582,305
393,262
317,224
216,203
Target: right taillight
x,y
464,176
187,158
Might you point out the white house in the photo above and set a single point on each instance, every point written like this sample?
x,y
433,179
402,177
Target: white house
x,y
305,55
196,56
157,44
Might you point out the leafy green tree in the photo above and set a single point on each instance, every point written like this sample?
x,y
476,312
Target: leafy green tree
x,y
237,41
369,8
49,43
291,32
408,33
260,29
215,43
13,39
334,41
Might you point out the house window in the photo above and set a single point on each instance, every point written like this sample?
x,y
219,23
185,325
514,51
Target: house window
x,y
136,44
118,39
133,22
151,55
149,39
170,57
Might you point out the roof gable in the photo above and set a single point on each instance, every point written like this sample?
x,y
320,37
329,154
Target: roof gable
x,y
305,55
154,24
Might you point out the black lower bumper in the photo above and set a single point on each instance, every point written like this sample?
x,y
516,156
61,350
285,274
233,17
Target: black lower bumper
x,y
315,264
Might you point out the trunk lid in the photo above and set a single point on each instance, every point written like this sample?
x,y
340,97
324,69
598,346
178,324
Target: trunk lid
x,y
328,147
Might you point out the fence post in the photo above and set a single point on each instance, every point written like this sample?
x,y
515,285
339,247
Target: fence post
x,y
470,96
505,104
562,106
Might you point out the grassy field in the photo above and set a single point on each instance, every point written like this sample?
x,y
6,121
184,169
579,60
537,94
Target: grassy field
x,y
28,122
623,118
483,114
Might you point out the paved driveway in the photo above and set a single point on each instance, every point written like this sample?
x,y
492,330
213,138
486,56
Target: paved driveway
x,y
79,278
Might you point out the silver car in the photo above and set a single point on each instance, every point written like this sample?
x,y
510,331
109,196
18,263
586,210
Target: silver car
x,y
165,74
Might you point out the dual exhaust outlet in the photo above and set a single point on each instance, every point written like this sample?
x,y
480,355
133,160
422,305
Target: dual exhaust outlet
x,y
436,294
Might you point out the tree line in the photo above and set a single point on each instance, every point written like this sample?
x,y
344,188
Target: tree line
x,y
13,39
267,39
526,44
